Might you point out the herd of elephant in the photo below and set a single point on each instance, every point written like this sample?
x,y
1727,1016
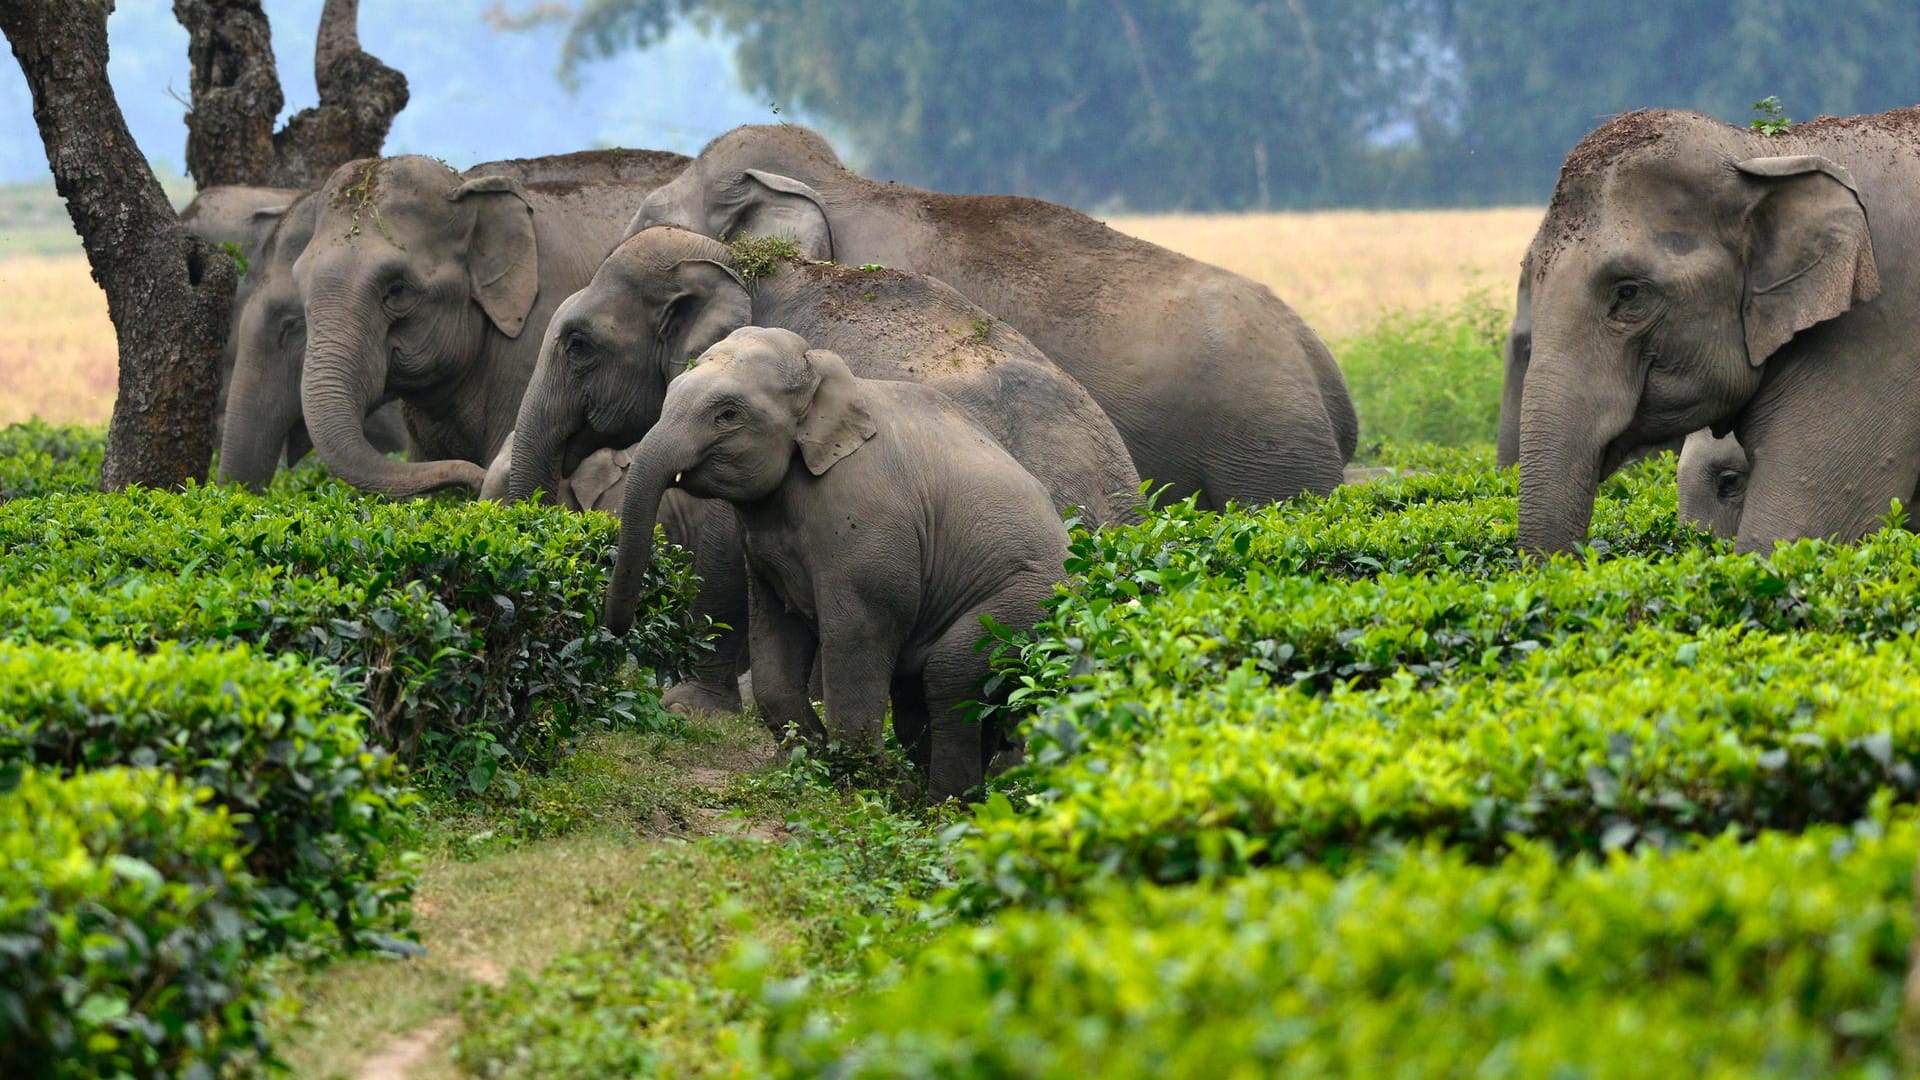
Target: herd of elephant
x,y
863,407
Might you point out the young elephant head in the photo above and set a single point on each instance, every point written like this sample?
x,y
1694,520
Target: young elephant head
x,y
270,340
409,270
662,298
731,429
1678,256
758,180
1713,482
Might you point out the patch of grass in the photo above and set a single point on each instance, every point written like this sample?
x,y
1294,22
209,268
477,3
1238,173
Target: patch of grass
x,y
510,883
756,257
1430,375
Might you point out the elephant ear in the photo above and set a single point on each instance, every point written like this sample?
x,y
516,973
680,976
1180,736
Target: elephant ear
x,y
1810,255
837,421
597,474
711,302
768,204
503,258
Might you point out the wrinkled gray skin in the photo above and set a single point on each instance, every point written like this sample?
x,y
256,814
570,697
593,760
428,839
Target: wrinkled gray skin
x,y
249,218
419,284
667,294
264,349
1690,274
880,524
1516,353
1168,346
1713,483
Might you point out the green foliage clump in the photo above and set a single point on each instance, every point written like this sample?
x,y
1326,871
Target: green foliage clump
x,y
1770,117
1431,376
124,944
800,922
38,458
469,628
1783,957
277,743
755,257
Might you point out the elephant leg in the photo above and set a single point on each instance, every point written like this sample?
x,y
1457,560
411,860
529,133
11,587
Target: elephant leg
x,y
909,693
785,645
858,648
721,561
953,675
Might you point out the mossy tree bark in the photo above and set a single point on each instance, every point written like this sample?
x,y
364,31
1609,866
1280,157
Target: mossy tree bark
x,y
169,295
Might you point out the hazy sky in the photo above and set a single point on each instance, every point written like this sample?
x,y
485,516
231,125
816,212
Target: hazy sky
x,y
476,93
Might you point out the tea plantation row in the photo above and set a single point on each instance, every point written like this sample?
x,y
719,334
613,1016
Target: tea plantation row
x,y
1347,788
213,708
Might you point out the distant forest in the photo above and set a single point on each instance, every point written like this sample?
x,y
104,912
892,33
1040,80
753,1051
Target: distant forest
x,y
1242,104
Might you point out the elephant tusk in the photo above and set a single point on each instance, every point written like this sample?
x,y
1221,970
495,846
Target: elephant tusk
x,y
676,478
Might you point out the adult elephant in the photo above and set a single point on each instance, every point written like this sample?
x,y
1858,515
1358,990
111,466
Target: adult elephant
x,y
269,338
1691,274
1216,385
665,295
419,283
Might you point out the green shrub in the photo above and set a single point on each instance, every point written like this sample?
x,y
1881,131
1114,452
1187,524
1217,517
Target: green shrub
x,y
277,743
1783,957
38,458
471,628
1602,743
124,946
1429,376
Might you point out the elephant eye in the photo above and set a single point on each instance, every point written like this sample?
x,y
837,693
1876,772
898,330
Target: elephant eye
x,y
578,349
399,297
1729,484
727,415
1624,296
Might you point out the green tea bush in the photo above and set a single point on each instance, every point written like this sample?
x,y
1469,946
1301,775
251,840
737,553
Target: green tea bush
x,y
38,458
1432,375
124,944
1641,739
277,743
470,628
1780,957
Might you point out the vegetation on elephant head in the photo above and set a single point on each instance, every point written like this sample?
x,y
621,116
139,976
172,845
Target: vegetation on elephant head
x,y
756,257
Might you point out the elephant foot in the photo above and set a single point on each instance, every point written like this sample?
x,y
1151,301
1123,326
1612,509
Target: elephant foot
x,y
695,698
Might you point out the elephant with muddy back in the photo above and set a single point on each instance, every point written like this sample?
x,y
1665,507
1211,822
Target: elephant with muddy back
x,y
1689,275
269,339
419,284
666,295
881,525
1170,347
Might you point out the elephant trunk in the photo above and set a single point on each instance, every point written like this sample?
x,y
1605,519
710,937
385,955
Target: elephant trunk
x,y
540,435
263,404
1568,428
345,376
657,466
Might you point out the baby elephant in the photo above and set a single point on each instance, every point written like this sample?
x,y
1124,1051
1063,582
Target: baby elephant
x,y
880,525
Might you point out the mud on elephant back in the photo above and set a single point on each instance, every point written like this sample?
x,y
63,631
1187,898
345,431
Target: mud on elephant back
x,y
1219,354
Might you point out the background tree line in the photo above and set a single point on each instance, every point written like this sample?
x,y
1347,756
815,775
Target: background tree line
x,y
1242,104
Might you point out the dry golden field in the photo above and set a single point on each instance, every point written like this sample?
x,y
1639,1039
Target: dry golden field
x,y
1340,269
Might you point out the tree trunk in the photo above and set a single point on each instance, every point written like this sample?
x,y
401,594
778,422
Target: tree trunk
x,y
359,97
169,295
236,92
236,96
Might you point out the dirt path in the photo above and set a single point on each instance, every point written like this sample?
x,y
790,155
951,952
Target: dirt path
x,y
472,918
